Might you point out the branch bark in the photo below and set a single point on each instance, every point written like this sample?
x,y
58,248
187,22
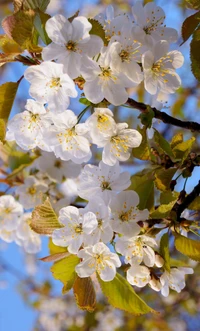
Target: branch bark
x,y
165,118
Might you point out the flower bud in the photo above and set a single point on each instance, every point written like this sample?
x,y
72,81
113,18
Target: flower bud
x,y
155,284
159,261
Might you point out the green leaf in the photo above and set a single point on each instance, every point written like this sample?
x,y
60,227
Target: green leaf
x,y
53,249
168,196
85,294
162,211
143,151
97,30
195,54
144,186
147,117
178,263
189,26
18,160
193,4
39,24
44,220
64,270
121,295
163,144
182,149
85,101
31,4
164,251
163,178
177,139
188,247
7,96
195,205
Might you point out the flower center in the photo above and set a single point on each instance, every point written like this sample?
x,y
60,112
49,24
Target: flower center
x,y
7,210
105,186
78,229
58,164
120,144
125,56
71,46
100,222
31,190
102,118
55,82
153,25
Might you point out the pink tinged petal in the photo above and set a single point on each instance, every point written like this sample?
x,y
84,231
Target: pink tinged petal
x,y
149,256
86,268
89,222
108,272
59,29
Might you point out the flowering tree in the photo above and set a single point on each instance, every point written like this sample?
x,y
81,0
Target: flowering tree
x,y
64,171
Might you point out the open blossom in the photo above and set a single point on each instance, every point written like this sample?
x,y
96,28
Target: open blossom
x,y
118,146
69,42
104,82
175,279
10,213
159,69
31,192
125,213
103,181
138,275
49,84
98,258
150,23
68,139
103,231
26,237
101,125
75,228
56,168
137,249
27,128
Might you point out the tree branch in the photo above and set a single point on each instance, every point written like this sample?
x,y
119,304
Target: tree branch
x,y
165,118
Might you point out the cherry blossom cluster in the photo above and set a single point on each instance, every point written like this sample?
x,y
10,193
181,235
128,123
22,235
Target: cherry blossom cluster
x,y
106,233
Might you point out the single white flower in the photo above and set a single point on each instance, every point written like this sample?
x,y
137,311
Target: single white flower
x,y
126,214
10,213
137,249
31,192
104,82
26,237
68,139
101,125
159,69
150,24
103,181
118,146
56,168
69,42
138,275
98,258
49,84
75,228
175,279
27,128
103,231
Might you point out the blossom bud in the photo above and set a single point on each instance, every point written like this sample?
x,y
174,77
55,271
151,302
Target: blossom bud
x,y
155,284
159,261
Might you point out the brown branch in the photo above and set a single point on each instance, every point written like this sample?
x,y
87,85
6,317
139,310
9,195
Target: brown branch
x,y
165,118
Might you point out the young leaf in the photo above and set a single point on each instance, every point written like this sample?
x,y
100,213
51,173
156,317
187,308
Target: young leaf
x,y
162,211
97,29
39,24
195,205
54,257
182,149
30,4
9,46
164,251
193,4
53,249
195,54
44,220
188,247
84,293
189,26
7,97
121,295
64,270
168,196
163,144
144,186
143,151
163,178
177,139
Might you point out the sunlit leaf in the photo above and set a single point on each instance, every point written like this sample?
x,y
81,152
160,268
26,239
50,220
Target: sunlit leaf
x,y
195,54
164,251
189,25
144,186
84,293
30,4
163,144
143,151
162,211
188,247
39,24
163,178
195,205
97,29
177,139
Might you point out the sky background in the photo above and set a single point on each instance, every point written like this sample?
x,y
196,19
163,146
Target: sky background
x,y
15,315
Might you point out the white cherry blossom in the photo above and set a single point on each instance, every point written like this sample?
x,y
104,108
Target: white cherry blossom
x,y
103,181
68,139
137,249
175,279
56,168
72,235
125,213
150,24
138,275
118,146
103,231
69,42
31,192
98,258
10,213
49,84
159,69
27,128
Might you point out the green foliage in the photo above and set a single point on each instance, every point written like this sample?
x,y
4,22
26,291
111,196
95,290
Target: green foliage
x,y
121,295
54,249
7,97
85,101
147,117
195,54
64,270
188,247
85,294
168,196
195,205
143,184
189,26
163,144
143,151
40,20
193,4
31,4
182,149
177,139
163,178
44,220
164,251
97,29
162,211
